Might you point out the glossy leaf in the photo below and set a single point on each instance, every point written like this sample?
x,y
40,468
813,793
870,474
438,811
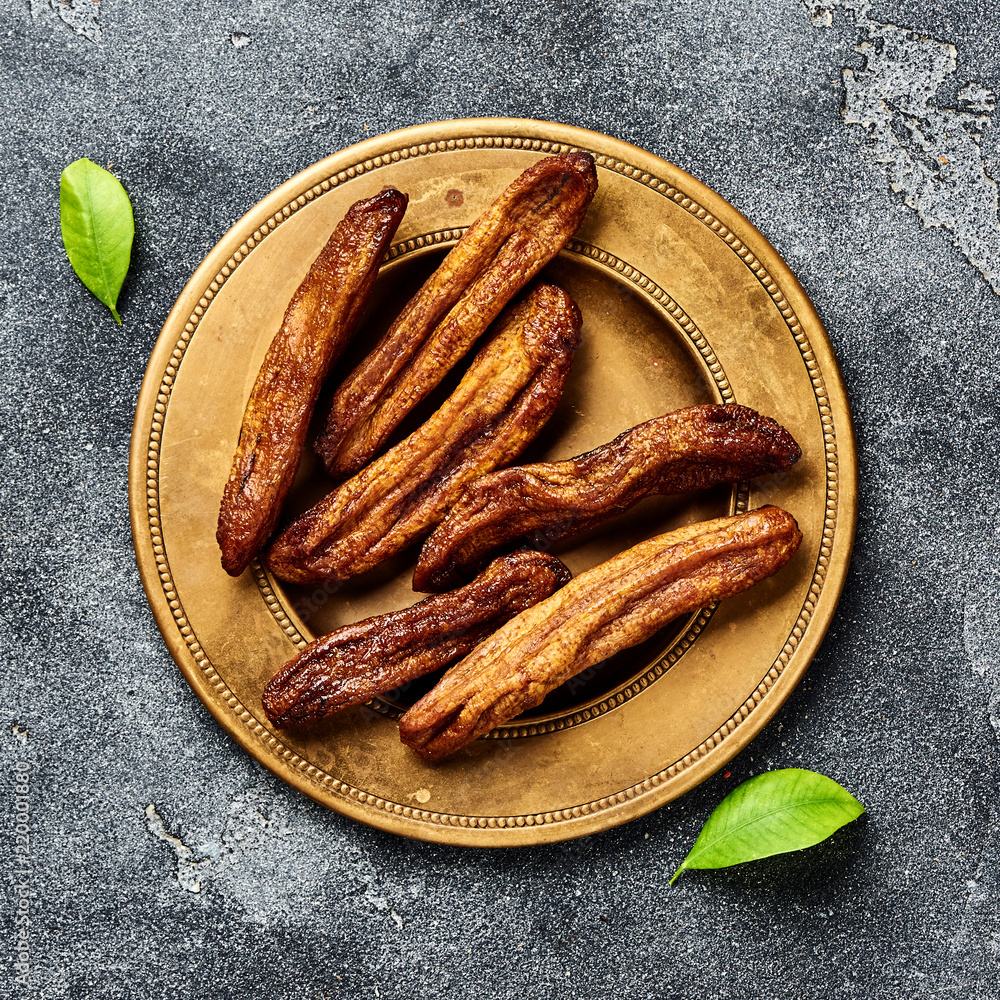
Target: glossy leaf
x,y
773,813
97,229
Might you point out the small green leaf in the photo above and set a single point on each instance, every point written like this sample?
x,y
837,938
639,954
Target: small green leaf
x,y
773,813
97,229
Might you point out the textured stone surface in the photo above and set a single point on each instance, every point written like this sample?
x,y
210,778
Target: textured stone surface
x,y
163,860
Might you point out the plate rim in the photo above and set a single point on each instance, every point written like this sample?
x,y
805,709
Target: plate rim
x,y
236,244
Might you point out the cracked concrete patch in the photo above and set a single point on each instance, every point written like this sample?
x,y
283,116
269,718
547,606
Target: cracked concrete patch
x,y
931,153
246,822
250,855
189,865
232,853
83,16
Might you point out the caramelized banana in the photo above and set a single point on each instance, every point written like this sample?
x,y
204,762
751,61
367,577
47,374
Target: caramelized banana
x,y
498,255
510,390
613,606
319,321
360,661
690,449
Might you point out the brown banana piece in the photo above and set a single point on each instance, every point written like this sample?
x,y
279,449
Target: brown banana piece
x,y
510,390
366,659
611,607
320,319
498,255
689,449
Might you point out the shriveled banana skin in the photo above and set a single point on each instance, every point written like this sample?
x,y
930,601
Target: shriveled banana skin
x,y
511,388
497,257
319,321
615,605
689,449
368,658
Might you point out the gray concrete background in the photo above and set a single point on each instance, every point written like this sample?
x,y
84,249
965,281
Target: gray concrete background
x,y
862,140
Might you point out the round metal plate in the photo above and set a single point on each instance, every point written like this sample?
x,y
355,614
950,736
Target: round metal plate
x,y
683,302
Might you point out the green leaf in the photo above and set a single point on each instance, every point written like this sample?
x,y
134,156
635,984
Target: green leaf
x,y
773,813
97,229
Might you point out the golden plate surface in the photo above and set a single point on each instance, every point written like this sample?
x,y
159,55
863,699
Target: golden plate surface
x,y
684,302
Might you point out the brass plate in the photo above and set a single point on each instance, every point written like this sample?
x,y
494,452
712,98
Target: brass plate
x,y
684,302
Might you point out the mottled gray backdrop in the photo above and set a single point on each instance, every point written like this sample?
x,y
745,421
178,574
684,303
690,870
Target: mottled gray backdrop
x,y
163,861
